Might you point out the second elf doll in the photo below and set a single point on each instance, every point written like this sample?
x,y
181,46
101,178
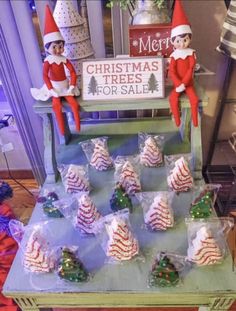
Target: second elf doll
x,y
56,83
182,64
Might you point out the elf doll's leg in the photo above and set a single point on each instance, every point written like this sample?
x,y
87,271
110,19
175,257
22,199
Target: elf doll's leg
x,y
75,109
57,108
194,104
174,106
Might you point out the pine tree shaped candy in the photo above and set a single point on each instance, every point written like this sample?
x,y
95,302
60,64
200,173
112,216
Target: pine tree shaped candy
x,y
129,179
87,215
120,199
164,273
204,249
75,179
70,268
202,207
151,155
100,159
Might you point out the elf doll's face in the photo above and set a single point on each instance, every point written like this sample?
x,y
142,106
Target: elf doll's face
x,y
56,48
181,42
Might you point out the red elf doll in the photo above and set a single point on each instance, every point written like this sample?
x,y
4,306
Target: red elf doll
x,y
182,64
56,82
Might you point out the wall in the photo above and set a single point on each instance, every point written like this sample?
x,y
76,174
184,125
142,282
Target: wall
x,y
17,158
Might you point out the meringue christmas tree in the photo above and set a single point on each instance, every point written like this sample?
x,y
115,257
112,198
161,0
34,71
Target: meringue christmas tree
x,y
121,245
180,178
70,268
159,216
204,249
151,155
129,179
100,159
164,273
37,257
75,32
87,215
74,179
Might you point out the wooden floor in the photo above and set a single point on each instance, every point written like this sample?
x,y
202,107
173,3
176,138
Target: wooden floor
x,y
23,203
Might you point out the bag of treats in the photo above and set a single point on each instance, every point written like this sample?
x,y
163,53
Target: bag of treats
x,y
69,267
207,240
127,173
81,211
150,149
97,153
203,202
36,249
157,211
74,177
46,201
120,199
117,239
179,176
167,270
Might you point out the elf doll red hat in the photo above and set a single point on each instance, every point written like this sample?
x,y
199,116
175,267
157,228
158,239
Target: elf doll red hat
x,y
51,31
180,23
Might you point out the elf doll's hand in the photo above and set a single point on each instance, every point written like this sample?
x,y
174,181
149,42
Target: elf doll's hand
x,y
180,88
53,93
71,89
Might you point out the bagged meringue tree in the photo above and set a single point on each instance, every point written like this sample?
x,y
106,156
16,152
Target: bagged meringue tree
x,y
74,177
97,153
204,198
69,266
116,237
207,240
127,173
157,211
167,270
179,175
81,211
150,148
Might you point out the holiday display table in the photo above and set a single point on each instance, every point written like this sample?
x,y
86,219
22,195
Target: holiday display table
x,y
123,285
186,139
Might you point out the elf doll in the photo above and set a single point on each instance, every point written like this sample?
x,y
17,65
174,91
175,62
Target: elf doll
x,y
56,83
182,64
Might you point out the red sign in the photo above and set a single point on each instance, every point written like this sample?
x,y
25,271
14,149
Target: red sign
x,y
150,40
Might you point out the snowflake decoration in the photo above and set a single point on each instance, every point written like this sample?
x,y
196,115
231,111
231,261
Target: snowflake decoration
x,y
135,43
158,34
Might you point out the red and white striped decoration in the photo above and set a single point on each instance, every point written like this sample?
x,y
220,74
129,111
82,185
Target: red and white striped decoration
x,y
87,215
100,159
75,182
159,216
180,178
129,179
36,256
121,245
204,249
151,155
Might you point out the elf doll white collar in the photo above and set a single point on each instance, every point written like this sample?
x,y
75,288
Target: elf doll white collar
x,y
182,53
57,59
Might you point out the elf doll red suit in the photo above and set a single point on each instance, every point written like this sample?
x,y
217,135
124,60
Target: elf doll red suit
x,y
182,64
56,83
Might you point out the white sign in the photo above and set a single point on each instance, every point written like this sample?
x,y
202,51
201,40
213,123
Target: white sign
x,y
123,78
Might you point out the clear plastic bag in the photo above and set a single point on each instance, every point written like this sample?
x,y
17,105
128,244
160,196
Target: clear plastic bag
x,y
179,176
207,240
120,199
36,250
204,198
127,173
150,148
117,239
167,270
97,153
47,203
157,211
81,211
69,266
74,177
